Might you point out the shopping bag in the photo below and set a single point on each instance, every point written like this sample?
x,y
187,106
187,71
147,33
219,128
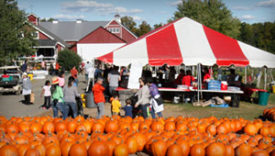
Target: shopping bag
x,y
156,106
32,98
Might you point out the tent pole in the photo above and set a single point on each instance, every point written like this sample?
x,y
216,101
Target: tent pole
x,y
264,78
245,73
198,77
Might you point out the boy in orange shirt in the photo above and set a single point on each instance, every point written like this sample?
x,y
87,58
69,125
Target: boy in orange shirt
x,y
99,98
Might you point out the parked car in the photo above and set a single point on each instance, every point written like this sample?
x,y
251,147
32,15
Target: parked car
x,y
13,85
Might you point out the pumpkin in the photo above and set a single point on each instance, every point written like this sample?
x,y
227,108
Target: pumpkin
x,y
8,150
60,127
170,126
132,145
48,127
197,150
35,127
243,149
185,148
215,149
32,152
111,145
65,148
141,140
111,126
174,150
260,153
53,150
71,126
98,148
98,127
158,148
78,149
121,150
250,129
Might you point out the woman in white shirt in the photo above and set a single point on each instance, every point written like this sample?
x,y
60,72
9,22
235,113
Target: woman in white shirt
x,y
46,92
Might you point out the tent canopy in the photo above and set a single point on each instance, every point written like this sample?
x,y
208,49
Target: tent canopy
x,y
189,42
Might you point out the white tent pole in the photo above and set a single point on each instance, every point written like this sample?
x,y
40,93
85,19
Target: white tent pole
x,y
264,78
198,77
245,74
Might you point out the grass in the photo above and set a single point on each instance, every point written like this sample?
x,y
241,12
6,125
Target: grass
x,y
246,110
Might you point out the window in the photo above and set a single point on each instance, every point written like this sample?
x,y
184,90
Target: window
x,y
35,35
114,30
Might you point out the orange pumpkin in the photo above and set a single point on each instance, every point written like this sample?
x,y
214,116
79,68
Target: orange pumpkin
x,y
215,149
78,149
174,150
197,150
121,150
98,148
111,126
48,127
243,149
158,148
8,150
250,129
132,145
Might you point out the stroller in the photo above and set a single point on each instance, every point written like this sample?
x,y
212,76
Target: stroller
x,y
136,111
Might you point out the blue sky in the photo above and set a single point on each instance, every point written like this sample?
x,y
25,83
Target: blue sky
x,y
152,11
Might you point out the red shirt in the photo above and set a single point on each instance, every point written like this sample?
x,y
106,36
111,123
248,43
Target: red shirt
x,y
186,80
206,76
98,93
5,76
74,73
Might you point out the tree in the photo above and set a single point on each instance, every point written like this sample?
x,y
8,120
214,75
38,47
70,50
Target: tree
x,y
16,37
246,33
68,59
129,23
144,28
211,13
47,20
157,25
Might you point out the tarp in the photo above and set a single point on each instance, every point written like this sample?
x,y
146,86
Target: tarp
x,y
189,42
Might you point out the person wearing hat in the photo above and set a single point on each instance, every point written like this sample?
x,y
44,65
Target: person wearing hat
x,y
99,98
57,99
27,85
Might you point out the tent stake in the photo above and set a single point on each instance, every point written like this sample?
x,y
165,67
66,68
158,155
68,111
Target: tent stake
x,y
264,78
245,74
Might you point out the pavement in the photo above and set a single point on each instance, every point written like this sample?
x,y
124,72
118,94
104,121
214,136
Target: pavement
x,y
11,105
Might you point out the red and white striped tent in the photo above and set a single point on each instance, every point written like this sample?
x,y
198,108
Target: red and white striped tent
x,y
189,42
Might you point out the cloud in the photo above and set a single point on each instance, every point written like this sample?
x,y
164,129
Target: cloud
x,y
68,17
267,3
102,8
137,18
247,17
175,2
242,8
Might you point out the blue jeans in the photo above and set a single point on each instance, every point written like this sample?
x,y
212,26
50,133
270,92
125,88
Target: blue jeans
x,y
153,113
62,108
144,110
73,106
100,110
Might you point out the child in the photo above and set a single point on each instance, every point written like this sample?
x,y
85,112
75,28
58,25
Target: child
x,y
115,105
128,108
46,92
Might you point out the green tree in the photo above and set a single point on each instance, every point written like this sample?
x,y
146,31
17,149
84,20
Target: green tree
x,y
157,25
211,13
144,28
15,34
129,23
246,33
68,59
47,20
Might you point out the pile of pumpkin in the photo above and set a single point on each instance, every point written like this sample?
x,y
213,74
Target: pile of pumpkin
x,y
269,113
31,136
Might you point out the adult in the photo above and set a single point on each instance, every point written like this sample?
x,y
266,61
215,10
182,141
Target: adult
x,y
57,99
24,67
70,94
27,89
88,67
206,75
98,72
234,79
99,98
113,80
180,76
43,67
124,76
188,78
143,97
156,100
57,67
74,73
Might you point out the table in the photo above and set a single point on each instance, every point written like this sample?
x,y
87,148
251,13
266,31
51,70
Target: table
x,y
235,95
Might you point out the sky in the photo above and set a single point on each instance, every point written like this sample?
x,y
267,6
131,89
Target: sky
x,y
152,11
